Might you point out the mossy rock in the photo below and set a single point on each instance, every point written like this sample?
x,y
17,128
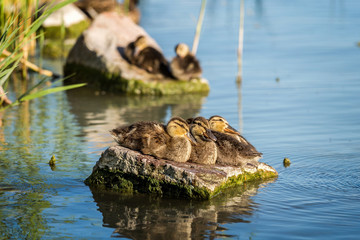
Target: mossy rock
x,y
113,82
98,58
125,170
73,31
56,48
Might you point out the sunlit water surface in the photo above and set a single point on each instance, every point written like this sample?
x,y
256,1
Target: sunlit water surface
x,y
299,99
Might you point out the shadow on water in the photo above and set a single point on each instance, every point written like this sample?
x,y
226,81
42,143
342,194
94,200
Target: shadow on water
x,y
146,217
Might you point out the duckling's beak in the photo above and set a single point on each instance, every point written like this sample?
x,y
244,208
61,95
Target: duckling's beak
x,y
209,136
229,129
190,138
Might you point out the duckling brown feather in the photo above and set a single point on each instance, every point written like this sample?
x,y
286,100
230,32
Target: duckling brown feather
x,y
233,152
153,139
185,68
205,150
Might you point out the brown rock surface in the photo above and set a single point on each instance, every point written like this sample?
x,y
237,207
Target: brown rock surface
x,y
127,170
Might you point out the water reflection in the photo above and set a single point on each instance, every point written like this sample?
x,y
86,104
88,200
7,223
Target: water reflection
x,y
99,112
146,217
31,133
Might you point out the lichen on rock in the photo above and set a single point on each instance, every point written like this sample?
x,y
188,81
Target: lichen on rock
x,y
125,170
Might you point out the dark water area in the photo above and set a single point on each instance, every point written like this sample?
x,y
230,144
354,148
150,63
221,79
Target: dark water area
x,y
299,98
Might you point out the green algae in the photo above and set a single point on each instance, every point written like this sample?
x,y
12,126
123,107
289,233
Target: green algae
x,y
127,183
234,181
56,48
56,45
73,31
105,81
116,180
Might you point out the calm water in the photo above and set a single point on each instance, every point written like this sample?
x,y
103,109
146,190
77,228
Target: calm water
x,y
299,99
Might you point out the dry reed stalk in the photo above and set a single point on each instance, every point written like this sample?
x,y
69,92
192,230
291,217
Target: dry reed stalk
x,y
241,41
198,27
31,65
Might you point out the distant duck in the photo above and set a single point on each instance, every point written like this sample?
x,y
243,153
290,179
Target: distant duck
x,y
185,66
233,149
205,150
170,142
129,52
146,57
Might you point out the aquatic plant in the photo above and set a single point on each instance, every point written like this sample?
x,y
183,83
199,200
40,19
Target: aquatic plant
x,y
19,22
241,42
198,27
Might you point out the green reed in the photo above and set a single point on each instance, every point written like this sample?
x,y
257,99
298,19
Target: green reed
x,y
20,21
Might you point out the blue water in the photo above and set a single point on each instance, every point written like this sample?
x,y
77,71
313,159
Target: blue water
x,y
299,98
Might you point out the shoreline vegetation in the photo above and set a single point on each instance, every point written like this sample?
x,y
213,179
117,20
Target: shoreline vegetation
x,y
19,33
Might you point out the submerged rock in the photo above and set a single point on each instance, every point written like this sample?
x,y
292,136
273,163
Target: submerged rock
x,y
126,170
98,58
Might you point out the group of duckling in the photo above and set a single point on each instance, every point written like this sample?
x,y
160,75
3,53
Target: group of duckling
x,y
198,140
184,66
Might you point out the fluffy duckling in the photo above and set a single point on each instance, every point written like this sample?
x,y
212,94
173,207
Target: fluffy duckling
x,y
232,152
233,149
129,52
185,66
142,55
170,142
204,151
219,124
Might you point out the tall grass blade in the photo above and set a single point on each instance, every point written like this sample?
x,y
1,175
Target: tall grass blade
x,y
5,74
32,88
38,22
51,90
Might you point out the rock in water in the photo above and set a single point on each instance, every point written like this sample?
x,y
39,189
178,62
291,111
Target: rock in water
x,y
98,58
61,29
126,170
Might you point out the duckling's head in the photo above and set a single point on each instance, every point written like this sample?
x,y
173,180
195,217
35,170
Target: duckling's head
x,y
178,127
218,123
200,129
140,43
182,50
201,121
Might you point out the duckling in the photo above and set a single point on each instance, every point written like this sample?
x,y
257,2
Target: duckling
x,y
232,152
204,151
232,148
146,57
171,142
129,52
220,124
185,66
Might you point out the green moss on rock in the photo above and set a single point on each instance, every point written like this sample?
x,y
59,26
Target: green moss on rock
x,y
73,31
56,48
122,182
115,83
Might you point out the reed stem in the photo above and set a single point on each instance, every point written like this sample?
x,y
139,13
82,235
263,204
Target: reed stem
x,y
31,65
241,41
198,27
